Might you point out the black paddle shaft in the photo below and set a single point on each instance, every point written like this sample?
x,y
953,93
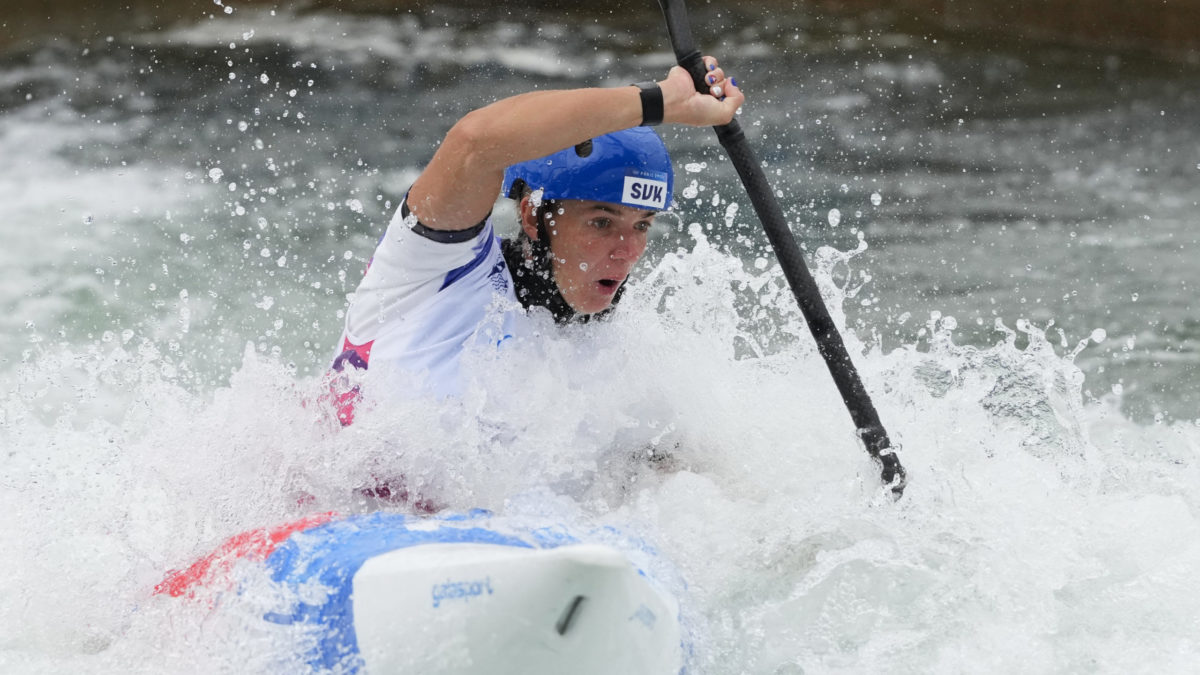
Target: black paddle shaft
x,y
804,287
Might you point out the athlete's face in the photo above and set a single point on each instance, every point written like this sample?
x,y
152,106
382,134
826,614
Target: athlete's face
x,y
595,245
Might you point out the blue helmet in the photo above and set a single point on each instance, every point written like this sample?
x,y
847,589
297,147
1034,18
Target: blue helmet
x,y
629,167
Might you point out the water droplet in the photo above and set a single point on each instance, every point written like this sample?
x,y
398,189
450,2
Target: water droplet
x,y
835,217
583,266
876,198
215,174
1099,335
1134,297
264,78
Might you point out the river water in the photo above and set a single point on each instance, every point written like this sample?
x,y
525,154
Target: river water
x,y
1003,231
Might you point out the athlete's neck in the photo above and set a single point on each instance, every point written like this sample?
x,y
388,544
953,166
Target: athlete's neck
x,y
528,261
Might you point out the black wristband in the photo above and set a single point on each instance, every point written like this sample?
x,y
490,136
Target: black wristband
x,y
652,103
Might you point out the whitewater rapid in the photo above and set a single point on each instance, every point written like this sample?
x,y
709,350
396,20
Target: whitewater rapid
x,y
1039,533
178,244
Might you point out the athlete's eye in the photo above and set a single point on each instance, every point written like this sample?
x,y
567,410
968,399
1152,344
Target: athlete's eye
x,y
600,223
643,226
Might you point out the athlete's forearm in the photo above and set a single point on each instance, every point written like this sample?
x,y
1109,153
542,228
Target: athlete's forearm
x,y
536,124
462,180
476,150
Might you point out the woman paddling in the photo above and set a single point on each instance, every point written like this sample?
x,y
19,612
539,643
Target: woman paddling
x,y
589,181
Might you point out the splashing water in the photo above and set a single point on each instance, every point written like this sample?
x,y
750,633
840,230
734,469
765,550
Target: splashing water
x,y
149,410
1031,517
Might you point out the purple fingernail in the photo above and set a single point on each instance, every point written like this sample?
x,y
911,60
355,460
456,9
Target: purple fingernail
x,y
733,80
711,79
712,66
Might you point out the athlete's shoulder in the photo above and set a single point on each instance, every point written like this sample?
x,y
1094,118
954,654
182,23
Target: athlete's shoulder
x,y
409,220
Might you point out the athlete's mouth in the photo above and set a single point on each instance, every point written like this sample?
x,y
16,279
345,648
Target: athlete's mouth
x,y
609,283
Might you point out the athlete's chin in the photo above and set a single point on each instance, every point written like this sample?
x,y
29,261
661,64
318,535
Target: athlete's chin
x,y
592,305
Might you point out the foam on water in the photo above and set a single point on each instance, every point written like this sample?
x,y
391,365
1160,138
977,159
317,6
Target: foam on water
x,y
1042,531
1039,532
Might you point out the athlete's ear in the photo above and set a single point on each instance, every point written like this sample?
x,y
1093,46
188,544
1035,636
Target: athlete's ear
x,y
528,213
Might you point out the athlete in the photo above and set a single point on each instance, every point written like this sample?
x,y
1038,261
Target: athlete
x,y
588,177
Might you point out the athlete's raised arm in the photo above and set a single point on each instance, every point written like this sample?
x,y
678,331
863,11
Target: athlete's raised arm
x,y
456,191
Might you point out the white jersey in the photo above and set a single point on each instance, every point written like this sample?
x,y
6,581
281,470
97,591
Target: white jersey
x,y
427,294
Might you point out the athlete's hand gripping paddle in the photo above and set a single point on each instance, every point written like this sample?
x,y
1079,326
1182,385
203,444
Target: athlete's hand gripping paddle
x,y
804,287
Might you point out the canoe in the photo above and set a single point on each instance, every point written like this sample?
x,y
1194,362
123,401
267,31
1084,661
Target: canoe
x,y
461,593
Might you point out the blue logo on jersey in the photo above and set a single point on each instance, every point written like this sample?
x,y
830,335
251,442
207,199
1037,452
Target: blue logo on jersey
x,y
498,278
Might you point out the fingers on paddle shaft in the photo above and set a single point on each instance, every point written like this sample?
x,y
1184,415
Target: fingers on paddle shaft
x,y
694,64
707,76
714,80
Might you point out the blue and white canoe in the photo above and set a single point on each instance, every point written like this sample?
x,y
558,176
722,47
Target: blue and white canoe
x,y
456,594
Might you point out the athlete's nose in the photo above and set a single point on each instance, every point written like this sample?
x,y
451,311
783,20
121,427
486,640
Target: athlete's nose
x,y
623,249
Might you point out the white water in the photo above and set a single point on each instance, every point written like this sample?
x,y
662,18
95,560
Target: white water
x,y
1042,531
1038,534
